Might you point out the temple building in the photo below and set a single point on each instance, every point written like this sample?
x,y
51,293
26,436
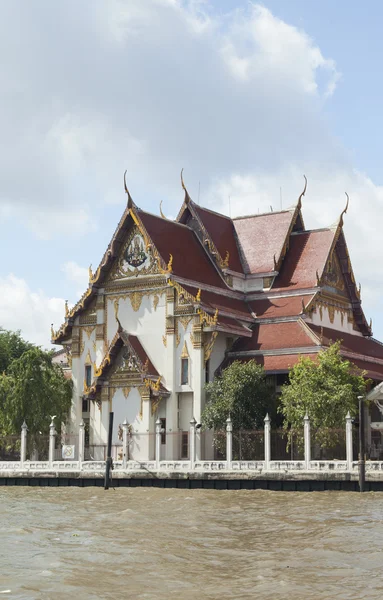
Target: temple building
x,y
173,302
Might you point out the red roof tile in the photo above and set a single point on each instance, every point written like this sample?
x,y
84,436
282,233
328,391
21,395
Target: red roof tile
x,y
281,363
236,306
307,254
141,353
272,336
261,237
374,371
351,343
290,306
222,233
190,261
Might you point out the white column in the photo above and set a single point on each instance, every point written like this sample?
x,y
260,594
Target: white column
x,y
229,443
125,444
81,443
23,448
158,443
349,450
306,422
198,384
267,442
52,439
192,442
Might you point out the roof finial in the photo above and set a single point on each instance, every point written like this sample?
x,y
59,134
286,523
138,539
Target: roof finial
x,y
344,210
187,197
303,307
130,201
161,213
371,323
302,194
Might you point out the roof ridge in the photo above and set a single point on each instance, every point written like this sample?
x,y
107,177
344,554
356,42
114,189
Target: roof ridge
x,y
266,214
139,210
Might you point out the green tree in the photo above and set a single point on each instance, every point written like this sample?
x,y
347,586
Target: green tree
x,y
325,389
12,346
33,389
242,392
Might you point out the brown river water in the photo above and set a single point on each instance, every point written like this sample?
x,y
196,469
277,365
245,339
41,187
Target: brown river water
x,y
146,543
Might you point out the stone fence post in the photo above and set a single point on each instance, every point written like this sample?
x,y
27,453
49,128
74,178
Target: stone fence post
x,y
229,443
125,444
307,440
23,448
349,449
52,442
158,443
81,443
193,423
267,442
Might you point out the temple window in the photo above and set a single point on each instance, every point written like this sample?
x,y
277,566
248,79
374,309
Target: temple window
x,y
184,371
88,375
85,405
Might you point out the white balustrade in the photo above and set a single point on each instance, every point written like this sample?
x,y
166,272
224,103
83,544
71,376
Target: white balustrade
x,y
229,443
192,436
81,443
52,442
267,442
307,440
23,447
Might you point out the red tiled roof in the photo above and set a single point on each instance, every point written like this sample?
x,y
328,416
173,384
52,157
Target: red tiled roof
x,y
141,353
236,306
272,336
268,308
222,233
281,363
233,326
261,237
307,254
351,343
374,371
190,261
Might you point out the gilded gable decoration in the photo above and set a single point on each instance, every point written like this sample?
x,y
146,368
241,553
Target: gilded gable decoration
x,y
185,351
137,258
208,345
89,330
332,275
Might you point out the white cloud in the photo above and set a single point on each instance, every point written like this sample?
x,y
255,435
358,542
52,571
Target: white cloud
x,y
259,45
30,311
236,99
77,275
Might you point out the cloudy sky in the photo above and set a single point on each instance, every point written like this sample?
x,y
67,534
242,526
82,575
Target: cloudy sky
x,y
246,97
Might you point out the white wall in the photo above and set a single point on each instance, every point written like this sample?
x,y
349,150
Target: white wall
x,y
315,318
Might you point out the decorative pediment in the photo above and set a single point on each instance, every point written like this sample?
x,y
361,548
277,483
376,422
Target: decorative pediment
x,y
136,257
333,277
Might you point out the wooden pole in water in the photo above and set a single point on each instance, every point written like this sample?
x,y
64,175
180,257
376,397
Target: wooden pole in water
x,y
109,461
361,462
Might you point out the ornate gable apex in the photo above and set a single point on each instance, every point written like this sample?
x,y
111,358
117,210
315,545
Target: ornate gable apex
x,y
341,252
140,253
338,271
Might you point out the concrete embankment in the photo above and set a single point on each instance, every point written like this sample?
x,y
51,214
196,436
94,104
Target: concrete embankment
x,y
289,481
